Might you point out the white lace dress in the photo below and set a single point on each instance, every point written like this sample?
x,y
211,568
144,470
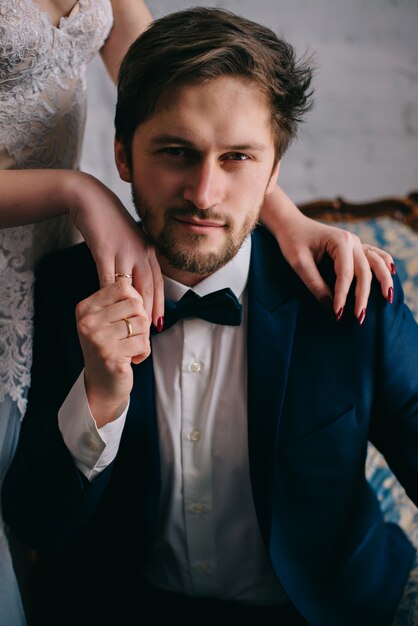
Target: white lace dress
x,y
42,116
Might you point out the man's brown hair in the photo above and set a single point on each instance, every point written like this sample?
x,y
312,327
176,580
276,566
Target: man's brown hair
x,y
200,44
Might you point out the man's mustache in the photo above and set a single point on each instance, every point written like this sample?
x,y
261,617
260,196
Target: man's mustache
x,y
200,214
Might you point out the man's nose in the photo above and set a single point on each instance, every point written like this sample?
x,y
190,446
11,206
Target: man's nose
x,y
205,187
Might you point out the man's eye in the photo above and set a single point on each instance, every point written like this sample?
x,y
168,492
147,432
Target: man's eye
x,y
176,152
236,156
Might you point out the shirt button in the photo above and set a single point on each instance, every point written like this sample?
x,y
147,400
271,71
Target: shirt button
x,y
198,507
196,367
194,435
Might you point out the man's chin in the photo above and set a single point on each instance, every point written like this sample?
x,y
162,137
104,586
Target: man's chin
x,y
202,263
198,253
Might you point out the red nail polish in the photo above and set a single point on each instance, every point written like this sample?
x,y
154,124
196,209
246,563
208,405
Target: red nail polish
x,y
339,314
393,269
160,324
390,295
362,317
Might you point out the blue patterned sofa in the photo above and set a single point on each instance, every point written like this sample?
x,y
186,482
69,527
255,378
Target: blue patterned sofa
x,y
391,224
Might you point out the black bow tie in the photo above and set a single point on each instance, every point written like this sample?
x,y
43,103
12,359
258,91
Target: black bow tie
x,y
219,307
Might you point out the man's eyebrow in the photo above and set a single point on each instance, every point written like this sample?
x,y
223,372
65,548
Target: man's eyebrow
x,y
178,140
161,140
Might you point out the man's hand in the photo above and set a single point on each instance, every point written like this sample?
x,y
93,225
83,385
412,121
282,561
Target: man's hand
x,y
113,328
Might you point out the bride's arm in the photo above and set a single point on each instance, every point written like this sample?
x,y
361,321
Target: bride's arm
x,y
131,17
113,236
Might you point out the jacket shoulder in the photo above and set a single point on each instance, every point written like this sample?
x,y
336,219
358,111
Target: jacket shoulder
x,y
69,270
268,260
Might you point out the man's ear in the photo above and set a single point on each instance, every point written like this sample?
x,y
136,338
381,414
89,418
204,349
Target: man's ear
x,y
122,162
273,178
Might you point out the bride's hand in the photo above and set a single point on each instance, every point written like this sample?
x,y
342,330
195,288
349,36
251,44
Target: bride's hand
x,y
117,243
304,242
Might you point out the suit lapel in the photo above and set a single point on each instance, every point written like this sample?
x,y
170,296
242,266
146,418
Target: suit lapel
x,y
272,315
141,432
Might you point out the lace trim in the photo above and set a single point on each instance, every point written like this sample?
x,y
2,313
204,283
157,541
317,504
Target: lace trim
x,y
42,115
42,80
16,313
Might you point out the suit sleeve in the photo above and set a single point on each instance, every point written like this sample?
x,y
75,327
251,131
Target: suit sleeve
x,y
394,427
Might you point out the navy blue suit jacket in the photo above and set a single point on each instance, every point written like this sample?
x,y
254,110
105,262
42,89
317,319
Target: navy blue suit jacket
x,y
318,391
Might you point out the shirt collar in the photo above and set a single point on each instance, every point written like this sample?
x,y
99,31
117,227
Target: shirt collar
x,y
233,275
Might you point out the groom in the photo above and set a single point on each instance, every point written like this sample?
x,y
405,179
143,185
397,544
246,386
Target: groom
x,y
216,468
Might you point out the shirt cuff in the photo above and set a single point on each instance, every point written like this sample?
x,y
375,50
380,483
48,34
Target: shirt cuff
x,y
92,448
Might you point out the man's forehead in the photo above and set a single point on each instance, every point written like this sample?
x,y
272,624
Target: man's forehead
x,y
232,108
178,92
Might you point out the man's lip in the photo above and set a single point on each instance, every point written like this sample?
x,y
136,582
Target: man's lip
x,y
199,223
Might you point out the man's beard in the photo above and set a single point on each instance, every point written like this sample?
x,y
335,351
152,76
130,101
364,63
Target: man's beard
x,y
188,259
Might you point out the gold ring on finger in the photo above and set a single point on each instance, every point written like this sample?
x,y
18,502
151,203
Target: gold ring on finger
x,y
128,327
122,275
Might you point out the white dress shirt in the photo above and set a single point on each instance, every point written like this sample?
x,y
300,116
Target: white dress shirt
x,y
208,539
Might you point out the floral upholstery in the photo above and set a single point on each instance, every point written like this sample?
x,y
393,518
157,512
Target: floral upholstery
x,y
402,243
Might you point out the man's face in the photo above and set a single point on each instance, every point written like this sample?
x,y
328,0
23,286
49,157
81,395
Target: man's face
x,y
201,167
